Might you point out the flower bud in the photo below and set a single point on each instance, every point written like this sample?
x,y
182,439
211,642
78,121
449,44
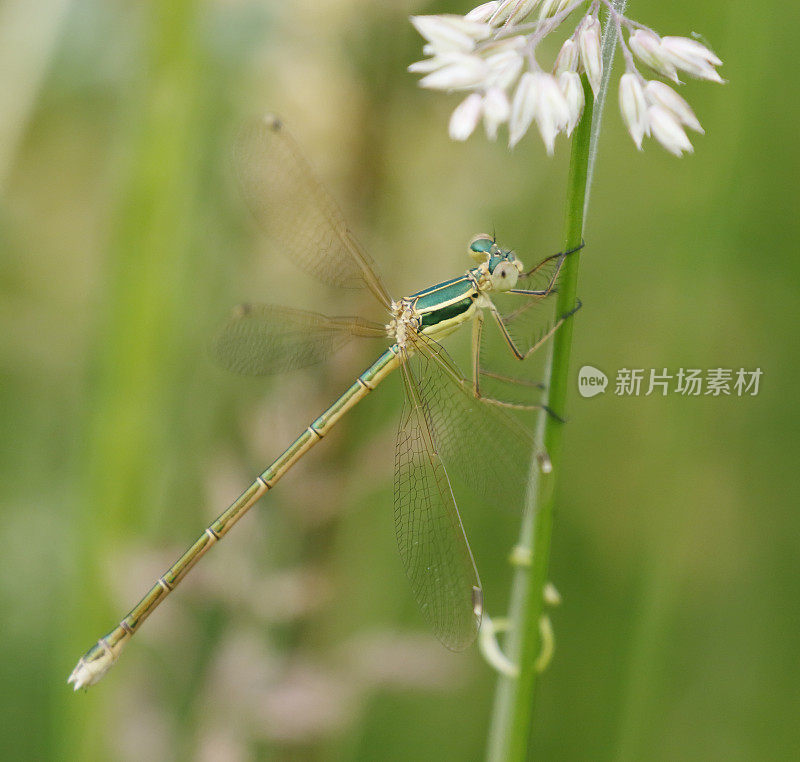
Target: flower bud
x,y
646,46
692,57
496,110
570,84
427,65
462,72
523,108
589,45
659,94
567,58
482,13
447,32
552,113
549,8
465,117
666,129
633,106
510,12
552,8
504,68
522,11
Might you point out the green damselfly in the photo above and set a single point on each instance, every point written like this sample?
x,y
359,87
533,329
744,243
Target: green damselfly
x,y
446,423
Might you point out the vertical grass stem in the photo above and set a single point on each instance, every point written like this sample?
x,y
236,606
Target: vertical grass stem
x,y
513,712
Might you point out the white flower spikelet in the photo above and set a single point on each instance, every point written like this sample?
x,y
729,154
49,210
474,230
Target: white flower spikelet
x,y
667,130
457,72
491,54
633,105
523,108
646,46
589,45
451,32
553,113
510,12
572,90
496,111
538,97
568,57
549,8
483,13
659,94
692,57
466,116
504,68
494,107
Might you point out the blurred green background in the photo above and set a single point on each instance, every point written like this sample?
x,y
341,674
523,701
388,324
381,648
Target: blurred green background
x,y
124,241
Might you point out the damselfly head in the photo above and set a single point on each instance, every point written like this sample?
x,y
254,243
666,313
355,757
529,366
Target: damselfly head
x,y
504,269
501,265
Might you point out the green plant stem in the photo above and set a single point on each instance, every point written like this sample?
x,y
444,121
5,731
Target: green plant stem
x,y
513,711
512,718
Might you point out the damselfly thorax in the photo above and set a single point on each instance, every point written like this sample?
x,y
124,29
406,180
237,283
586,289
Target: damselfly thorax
x,y
441,309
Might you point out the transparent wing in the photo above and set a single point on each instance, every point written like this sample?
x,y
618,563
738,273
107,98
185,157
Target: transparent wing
x,y
529,320
297,212
543,276
260,339
482,444
430,536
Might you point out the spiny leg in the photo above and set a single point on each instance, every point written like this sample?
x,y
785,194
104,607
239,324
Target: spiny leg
x,y
515,350
477,372
561,256
537,295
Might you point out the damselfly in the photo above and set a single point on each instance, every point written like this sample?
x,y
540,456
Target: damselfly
x,y
446,423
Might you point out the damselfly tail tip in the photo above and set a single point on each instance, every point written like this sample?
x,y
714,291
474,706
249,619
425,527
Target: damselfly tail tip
x,y
98,660
79,676
87,673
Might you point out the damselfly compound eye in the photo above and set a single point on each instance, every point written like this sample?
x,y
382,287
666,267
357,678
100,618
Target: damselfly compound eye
x,y
480,244
504,276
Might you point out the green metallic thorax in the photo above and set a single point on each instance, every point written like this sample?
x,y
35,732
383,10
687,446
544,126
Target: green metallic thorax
x,y
443,307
